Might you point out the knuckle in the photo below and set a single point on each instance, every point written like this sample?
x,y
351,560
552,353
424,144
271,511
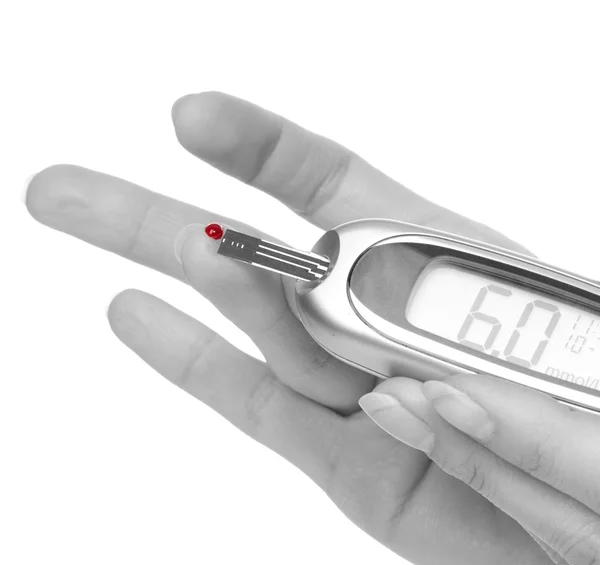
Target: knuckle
x,y
316,179
580,552
259,402
201,359
272,145
336,481
317,362
470,468
204,364
325,180
275,324
310,360
138,225
592,496
540,459
365,488
579,545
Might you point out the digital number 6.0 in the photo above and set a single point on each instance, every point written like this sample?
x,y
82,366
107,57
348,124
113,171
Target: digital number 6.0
x,y
495,326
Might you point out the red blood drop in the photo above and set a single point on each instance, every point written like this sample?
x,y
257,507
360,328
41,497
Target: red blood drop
x,y
214,230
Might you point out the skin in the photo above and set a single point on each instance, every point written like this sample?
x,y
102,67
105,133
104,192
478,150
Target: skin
x,y
301,402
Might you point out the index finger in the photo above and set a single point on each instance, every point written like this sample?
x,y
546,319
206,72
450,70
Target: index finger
x,y
317,178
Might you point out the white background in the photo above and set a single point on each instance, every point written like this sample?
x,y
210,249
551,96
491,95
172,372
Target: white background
x,y
490,108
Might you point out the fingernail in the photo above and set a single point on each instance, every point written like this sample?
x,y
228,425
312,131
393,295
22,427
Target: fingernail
x,y
459,410
389,414
183,236
23,193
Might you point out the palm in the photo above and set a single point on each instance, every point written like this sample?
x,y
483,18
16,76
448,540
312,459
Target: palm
x,y
302,403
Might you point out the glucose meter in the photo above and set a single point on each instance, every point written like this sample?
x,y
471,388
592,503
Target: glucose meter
x,y
396,299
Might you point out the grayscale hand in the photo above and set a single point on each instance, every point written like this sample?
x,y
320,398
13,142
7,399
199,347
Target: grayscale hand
x,y
301,403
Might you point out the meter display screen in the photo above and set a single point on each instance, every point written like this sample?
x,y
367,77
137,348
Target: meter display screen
x,y
509,321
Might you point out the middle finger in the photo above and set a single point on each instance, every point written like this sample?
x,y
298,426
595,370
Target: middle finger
x,y
317,178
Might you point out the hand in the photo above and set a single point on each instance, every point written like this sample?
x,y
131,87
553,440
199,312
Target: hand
x,y
302,403
532,457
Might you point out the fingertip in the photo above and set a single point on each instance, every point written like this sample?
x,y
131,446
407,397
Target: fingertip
x,y
181,238
226,132
129,312
193,247
33,196
25,189
198,119
186,106
398,385
409,392
119,299
51,191
202,267
398,419
121,307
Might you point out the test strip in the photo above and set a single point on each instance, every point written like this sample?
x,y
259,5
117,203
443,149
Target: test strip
x,y
272,256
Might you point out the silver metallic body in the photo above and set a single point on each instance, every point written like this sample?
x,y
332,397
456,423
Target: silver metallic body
x,y
328,310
